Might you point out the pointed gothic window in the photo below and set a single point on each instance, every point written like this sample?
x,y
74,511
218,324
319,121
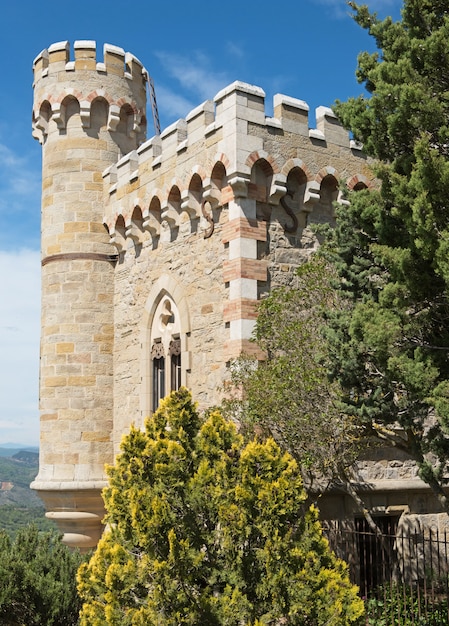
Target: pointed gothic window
x,y
166,371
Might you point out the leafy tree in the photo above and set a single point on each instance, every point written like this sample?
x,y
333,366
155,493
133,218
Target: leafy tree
x,y
390,344
288,395
205,529
37,580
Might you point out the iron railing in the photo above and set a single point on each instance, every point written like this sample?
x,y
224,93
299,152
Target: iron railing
x,y
402,576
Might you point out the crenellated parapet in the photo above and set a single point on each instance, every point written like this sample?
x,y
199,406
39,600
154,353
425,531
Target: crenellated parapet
x,y
90,86
224,149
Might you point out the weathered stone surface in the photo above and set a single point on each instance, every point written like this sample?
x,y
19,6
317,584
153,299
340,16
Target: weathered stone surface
x,y
163,247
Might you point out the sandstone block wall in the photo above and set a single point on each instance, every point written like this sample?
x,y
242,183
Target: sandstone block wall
x,y
170,243
201,206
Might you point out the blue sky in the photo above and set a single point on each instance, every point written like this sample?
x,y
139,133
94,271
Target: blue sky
x,y
306,49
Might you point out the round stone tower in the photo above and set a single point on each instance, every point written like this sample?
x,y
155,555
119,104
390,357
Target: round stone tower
x,y
86,114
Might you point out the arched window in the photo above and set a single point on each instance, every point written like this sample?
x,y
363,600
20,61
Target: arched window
x,y
165,351
165,355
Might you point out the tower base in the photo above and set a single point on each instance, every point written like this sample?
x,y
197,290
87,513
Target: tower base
x,y
77,509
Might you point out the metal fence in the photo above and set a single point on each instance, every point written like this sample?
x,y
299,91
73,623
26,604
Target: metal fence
x,y
402,576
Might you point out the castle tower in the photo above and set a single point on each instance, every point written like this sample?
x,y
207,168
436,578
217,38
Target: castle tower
x,y
86,114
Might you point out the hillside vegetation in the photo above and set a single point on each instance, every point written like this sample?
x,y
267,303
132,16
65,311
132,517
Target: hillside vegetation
x,y
20,505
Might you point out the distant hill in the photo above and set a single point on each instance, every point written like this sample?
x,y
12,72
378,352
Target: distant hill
x,y
20,505
27,457
10,449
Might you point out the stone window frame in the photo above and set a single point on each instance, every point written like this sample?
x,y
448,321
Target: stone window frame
x,y
178,355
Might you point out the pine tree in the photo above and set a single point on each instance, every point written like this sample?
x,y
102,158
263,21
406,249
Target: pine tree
x,y
38,580
205,529
390,345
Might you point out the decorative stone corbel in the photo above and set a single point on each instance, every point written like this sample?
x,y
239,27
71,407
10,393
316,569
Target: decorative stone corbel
x,y
278,189
38,134
58,114
137,122
133,232
211,193
113,117
169,216
85,113
239,186
341,199
150,223
311,195
117,240
189,204
40,124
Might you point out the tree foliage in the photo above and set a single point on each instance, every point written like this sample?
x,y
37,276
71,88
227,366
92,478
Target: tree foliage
x,y
205,529
37,580
288,395
390,345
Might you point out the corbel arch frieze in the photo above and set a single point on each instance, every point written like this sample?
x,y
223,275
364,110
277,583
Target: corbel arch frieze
x,y
117,233
69,98
261,155
216,183
220,157
359,181
328,170
296,163
171,204
192,193
134,224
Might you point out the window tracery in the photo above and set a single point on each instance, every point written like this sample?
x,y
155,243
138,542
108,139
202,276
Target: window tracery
x,y
165,354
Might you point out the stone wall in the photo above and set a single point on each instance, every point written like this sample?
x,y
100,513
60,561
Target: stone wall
x,y
220,205
194,226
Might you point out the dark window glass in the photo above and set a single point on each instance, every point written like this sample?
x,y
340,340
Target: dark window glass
x,y
158,381
175,360
175,372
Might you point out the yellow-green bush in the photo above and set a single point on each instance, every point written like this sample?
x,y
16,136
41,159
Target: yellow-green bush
x,y
207,529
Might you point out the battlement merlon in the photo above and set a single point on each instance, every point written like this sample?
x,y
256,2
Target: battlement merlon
x,y
115,60
218,122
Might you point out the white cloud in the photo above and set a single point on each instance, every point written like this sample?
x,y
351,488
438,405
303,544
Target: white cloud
x,y
234,50
19,346
8,158
172,105
17,174
19,198
194,73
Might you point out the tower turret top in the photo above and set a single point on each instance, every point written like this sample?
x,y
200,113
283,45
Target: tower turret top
x,y
109,93
115,61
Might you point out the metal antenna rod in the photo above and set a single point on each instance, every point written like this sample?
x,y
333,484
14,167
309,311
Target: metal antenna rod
x,y
152,92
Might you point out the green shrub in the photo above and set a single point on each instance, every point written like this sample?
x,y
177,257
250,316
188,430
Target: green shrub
x,y
37,580
205,529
